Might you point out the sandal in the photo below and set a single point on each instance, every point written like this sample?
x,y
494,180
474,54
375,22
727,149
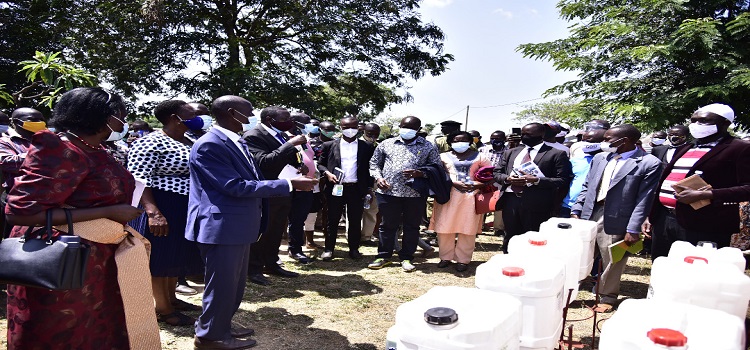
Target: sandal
x,y
180,305
603,308
176,319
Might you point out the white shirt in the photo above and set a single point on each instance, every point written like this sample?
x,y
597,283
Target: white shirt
x,y
519,158
670,154
613,166
272,132
348,152
235,138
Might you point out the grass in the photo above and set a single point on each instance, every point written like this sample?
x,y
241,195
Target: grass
x,y
341,304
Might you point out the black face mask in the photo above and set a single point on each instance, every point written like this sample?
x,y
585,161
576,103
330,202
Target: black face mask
x,y
677,140
531,140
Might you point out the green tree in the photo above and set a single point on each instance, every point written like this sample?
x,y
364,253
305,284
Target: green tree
x,y
562,110
653,62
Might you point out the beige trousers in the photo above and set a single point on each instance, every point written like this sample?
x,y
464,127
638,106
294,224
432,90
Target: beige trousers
x,y
369,218
498,223
609,283
459,250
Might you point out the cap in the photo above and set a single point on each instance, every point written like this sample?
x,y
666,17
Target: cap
x,y
720,109
440,316
538,242
692,259
450,122
667,337
564,225
513,271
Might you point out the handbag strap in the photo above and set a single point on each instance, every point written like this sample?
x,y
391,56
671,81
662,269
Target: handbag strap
x,y
69,218
47,228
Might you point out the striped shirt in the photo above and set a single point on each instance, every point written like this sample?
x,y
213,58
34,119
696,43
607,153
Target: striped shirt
x,y
679,172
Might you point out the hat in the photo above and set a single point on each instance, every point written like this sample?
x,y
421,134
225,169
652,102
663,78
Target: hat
x,y
450,122
720,109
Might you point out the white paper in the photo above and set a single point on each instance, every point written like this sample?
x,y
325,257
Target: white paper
x,y
289,172
140,185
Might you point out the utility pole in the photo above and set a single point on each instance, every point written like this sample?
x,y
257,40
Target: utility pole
x,y
466,123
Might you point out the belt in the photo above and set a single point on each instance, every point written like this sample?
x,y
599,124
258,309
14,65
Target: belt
x,y
348,183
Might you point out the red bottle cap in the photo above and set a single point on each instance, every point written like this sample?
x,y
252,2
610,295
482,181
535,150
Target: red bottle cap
x,y
538,242
667,337
513,271
692,259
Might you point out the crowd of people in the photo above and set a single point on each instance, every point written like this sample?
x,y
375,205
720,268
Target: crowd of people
x,y
223,186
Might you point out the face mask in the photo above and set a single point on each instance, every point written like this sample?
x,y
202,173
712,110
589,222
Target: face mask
x,y
676,140
207,121
497,142
328,134
252,121
476,140
3,129
460,147
349,133
33,126
607,146
700,131
590,147
531,140
116,136
368,139
52,129
283,126
192,124
658,142
311,129
407,134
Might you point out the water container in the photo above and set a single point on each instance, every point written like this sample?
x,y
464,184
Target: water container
x,y
647,324
693,281
538,284
708,251
549,245
465,319
584,230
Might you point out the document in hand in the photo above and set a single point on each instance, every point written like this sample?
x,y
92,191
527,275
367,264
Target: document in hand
x,y
617,250
529,168
694,182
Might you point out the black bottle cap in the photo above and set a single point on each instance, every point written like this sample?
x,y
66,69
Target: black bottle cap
x,y
564,225
440,316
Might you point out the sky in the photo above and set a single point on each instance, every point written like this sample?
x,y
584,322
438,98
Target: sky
x,y
483,36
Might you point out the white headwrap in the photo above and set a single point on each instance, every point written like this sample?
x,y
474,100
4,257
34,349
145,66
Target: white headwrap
x,y
720,109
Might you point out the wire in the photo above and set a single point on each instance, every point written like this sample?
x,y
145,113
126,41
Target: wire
x,y
512,103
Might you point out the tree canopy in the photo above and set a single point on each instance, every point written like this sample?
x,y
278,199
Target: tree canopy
x,y
326,57
653,62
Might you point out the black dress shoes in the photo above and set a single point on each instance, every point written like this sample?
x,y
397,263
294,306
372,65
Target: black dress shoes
x,y
300,257
241,332
258,278
229,344
356,255
278,271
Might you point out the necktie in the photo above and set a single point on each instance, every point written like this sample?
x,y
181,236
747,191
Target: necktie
x,y
243,143
281,138
609,172
518,189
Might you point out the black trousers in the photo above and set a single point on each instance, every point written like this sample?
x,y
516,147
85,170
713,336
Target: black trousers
x,y
666,230
519,219
265,252
395,212
352,198
301,203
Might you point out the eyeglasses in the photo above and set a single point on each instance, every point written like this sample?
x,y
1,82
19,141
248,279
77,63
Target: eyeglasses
x,y
593,126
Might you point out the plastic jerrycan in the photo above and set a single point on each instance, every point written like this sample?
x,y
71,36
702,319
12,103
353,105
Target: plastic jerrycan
x,y
550,245
707,250
584,230
457,318
538,284
647,324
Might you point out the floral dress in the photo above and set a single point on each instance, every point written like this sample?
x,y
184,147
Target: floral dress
x,y
57,173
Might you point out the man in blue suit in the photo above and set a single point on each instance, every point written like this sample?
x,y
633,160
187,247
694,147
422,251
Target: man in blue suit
x,y
226,212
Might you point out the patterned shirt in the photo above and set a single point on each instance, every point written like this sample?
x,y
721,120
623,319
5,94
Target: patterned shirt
x,y
679,171
494,156
392,156
162,161
13,150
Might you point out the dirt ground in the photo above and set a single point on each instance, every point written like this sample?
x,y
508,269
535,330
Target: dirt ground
x,y
341,304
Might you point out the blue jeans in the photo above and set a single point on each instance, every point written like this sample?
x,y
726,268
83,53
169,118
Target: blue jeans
x,y
399,211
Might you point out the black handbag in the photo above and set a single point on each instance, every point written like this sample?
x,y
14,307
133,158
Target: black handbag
x,y
39,260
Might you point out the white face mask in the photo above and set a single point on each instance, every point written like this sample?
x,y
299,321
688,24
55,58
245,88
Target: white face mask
x,y
700,131
117,136
607,146
658,142
349,133
461,147
207,121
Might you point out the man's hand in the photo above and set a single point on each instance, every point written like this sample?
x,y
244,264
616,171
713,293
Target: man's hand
x,y
646,228
303,169
157,224
298,140
382,184
631,238
303,183
462,186
574,216
412,173
530,179
687,195
332,178
516,180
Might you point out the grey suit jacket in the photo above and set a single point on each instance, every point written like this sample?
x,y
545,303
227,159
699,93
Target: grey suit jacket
x,y
630,194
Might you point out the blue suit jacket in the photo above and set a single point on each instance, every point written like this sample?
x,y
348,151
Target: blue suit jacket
x,y
227,198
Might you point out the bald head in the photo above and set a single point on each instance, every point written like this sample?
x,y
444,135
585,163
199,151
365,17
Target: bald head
x,y
200,108
411,122
26,113
301,117
225,107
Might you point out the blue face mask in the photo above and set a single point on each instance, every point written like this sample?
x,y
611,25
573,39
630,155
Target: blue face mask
x,y
4,129
311,129
407,134
192,124
461,147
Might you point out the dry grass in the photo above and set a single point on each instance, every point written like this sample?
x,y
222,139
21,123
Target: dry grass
x,y
343,305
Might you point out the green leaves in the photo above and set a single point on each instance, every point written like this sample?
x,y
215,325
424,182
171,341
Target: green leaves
x,y
47,77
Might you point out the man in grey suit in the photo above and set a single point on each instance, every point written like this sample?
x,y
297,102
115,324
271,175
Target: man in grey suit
x,y
618,193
